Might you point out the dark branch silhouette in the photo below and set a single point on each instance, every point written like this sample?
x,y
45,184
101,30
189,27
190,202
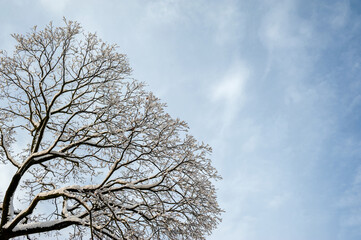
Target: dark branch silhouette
x,y
98,151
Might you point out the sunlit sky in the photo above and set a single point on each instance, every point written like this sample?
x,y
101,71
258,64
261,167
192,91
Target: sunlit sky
x,y
273,86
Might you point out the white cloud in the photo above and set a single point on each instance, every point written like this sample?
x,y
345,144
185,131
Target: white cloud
x,y
230,92
265,155
231,87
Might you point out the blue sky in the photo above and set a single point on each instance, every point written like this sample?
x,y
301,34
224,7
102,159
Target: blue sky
x,y
273,86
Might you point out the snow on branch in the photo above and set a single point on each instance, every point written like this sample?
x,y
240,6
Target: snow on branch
x,y
99,152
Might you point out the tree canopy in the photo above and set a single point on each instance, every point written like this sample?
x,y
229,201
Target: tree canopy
x,y
92,149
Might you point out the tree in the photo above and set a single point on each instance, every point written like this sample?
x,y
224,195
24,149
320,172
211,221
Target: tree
x,y
92,149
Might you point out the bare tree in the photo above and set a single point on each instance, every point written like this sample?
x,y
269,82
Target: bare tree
x,y
92,149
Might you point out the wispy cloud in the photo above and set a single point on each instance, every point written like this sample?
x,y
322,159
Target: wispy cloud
x,y
230,91
269,80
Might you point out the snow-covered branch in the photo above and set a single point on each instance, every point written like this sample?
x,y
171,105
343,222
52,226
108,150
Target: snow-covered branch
x,y
98,151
